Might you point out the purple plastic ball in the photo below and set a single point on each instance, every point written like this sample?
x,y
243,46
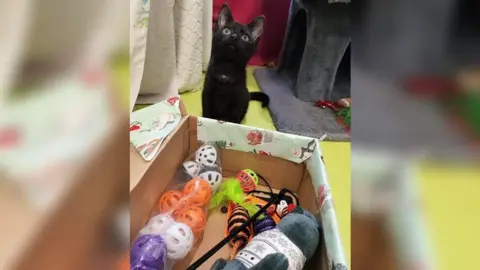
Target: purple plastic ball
x,y
148,252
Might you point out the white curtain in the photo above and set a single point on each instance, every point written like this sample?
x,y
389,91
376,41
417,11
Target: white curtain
x,y
169,47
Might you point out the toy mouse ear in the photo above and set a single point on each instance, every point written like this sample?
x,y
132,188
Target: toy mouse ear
x,y
219,264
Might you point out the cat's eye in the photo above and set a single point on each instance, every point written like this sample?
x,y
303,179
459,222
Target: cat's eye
x,y
245,38
226,31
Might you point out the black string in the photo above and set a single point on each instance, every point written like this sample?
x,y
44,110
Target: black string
x,y
297,201
266,183
233,233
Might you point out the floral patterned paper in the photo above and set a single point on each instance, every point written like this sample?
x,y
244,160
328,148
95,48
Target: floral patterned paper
x,y
40,147
151,125
242,138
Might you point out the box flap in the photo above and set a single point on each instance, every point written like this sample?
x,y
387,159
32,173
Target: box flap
x,y
138,165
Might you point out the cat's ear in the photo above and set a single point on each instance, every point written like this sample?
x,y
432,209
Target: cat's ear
x,y
256,27
224,17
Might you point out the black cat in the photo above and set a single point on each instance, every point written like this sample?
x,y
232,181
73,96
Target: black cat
x,y
225,95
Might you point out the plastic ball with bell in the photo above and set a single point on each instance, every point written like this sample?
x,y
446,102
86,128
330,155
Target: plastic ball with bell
x,y
213,177
191,168
206,155
171,201
248,180
158,224
194,217
197,192
179,239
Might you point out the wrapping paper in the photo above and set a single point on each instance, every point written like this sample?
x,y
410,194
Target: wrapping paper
x,y
151,125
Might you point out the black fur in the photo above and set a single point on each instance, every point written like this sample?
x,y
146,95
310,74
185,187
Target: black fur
x,y
225,95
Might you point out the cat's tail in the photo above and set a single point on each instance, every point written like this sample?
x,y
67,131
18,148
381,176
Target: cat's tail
x,y
260,96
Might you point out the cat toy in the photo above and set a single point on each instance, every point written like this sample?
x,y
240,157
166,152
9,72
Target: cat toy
x,y
191,169
213,175
231,191
148,252
194,217
283,208
179,239
263,225
231,235
286,203
197,192
171,201
248,180
177,235
206,155
236,216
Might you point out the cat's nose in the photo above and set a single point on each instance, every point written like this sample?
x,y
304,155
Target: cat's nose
x,y
234,36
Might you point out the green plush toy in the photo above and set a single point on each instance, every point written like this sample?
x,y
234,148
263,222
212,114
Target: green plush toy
x,y
296,237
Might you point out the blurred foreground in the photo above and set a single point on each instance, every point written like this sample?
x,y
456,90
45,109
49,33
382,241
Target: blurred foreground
x,y
63,139
415,134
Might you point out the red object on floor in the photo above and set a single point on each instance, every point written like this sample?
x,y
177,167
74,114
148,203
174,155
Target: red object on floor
x,y
430,86
276,15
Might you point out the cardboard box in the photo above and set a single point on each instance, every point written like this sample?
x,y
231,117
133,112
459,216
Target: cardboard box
x,y
286,161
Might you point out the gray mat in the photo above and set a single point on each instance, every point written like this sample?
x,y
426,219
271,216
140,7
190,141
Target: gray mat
x,y
291,115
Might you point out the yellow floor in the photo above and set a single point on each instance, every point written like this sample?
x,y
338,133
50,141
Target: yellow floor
x,y
336,154
451,202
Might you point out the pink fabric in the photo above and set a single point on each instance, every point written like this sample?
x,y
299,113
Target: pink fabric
x,y
276,14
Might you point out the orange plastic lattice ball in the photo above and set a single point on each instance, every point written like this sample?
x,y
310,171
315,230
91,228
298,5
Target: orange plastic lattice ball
x,y
172,201
197,192
248,180
194,217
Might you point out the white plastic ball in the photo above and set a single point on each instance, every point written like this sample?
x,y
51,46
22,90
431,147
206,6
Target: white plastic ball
x,y
158,224
179,240
206,155
212,176
191,168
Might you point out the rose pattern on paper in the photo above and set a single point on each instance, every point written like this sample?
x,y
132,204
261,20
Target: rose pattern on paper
x,y
9,137
160,122
261,152
254,137
135,126
140,147
264,153
93,77
173,100
150,147
323,194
